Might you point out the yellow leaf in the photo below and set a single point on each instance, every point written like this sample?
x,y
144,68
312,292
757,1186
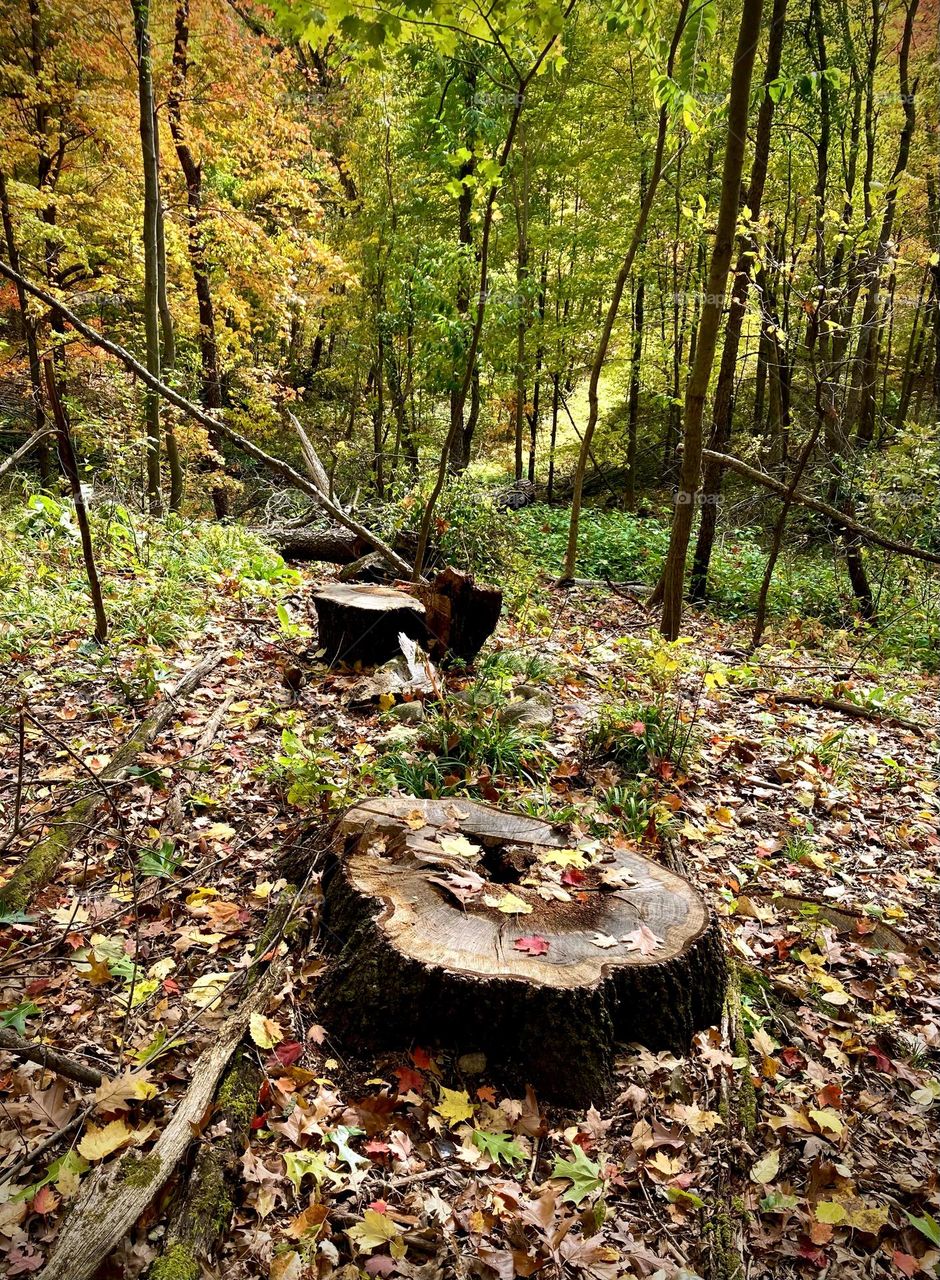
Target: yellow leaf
x,y
377,1229
100,1142
207,989
827,1118
199,896
868,1217
830,1211
264,1031
767,1168
455,1106
459,846
724,815
509,903
564,857
386,702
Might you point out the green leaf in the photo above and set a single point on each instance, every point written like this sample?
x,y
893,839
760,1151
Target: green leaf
x,y
582,1172
301,1163
160,862
16,1017
498,1146
927,1226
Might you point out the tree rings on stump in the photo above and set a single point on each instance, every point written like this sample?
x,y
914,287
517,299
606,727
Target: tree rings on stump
x,y
455,924
358,622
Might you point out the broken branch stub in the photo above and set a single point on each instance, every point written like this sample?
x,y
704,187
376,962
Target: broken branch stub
x,y
458,925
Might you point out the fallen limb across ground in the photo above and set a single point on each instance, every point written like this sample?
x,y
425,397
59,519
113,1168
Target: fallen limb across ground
x,y
280,468
51,1058
816,504
842,706
42,861
116,1195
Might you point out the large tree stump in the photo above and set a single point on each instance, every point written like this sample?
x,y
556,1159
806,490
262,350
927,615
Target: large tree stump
x,y
423,952
358,622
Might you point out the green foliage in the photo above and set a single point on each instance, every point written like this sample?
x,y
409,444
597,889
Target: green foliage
x,y
638,738
157,577
160,861
312,775
582,1172
472,738
631,806
498,1147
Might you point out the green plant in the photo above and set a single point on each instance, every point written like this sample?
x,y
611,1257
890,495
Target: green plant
x,y
474,738
639,738
631,806
311,774
160,861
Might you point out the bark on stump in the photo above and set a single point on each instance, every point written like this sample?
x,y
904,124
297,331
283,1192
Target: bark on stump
x,y
461,615
362,623
415,960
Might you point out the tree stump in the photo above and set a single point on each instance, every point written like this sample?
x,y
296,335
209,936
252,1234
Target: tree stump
x,y
358,622
461,615
593,946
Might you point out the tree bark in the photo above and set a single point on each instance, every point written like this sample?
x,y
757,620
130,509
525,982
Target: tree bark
x,y
148,145
747,258
697,389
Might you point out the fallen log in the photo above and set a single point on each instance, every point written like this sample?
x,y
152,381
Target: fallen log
x,y
359,622
334,545
43,860
842,707
277,466
36,438
429,949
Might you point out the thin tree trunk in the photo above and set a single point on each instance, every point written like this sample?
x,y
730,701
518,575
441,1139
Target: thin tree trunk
x,y
148,145
722,412
211,395
600,354
674,571
633,404
70,471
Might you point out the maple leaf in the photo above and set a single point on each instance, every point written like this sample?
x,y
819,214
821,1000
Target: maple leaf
x,y
532,945
643,940
602,940
98,1143
301,1164
119,1093
374,1231
307,1223
454,1106
564,858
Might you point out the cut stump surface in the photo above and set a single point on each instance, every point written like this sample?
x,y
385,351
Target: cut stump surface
x,y
456,924
358,622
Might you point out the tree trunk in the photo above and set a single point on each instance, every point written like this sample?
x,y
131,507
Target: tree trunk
x,y
633,405
697,389
192,174
148,144
423,952
69,465
747,258
600,353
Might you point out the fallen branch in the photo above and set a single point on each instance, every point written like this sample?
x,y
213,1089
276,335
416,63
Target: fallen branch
x,y
24,449
842,707
333,545
50,1058
35,1154
115,1195
43,860
315,468
173,816
815,504
276,465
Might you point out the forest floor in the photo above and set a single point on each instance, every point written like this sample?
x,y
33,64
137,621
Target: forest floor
x,y
799,1138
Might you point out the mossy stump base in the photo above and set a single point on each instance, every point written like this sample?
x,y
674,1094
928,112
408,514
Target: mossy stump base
x,y
359,622
417,958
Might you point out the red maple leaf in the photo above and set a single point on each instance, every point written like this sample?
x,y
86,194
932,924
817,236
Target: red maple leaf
x,y
573,876
532,945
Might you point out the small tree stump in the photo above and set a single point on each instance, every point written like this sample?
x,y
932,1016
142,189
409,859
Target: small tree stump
x,y
422,952
461,615
358,622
